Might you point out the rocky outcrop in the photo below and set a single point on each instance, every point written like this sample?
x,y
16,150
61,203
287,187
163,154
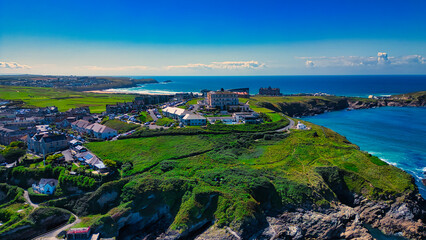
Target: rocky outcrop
x,y
359,104
309,108
319,106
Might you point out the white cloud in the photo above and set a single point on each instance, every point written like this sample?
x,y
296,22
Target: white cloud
x,y
382,58
360,61
227,65
309,63
13,65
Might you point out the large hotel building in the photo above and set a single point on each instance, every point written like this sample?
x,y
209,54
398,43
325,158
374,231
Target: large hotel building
x,y
222,99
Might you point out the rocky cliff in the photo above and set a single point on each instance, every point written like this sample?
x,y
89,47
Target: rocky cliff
x,y
295,107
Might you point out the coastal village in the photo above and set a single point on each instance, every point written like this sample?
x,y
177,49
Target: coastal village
x,y
56,144
46,136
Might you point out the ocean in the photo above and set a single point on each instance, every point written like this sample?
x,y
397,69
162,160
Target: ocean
x,y
396,135
338,85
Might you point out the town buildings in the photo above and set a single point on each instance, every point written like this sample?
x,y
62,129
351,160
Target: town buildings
x,y
270,91
101,131
79,233
247,117
80,125
95,130
174,112
46,143
194,120
136,106
222,99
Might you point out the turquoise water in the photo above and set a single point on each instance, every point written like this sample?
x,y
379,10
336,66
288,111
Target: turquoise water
x,y
397,135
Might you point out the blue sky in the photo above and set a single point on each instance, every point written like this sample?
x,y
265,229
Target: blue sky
x,y
213,37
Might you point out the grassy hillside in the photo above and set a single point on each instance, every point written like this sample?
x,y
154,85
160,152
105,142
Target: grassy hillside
x,y
236,179
63,99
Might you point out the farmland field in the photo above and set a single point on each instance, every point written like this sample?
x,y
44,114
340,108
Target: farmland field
x,y
63,99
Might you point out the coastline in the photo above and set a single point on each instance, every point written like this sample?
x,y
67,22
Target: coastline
x,y
397,146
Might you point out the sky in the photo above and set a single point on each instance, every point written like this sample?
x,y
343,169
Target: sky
x,y
150,38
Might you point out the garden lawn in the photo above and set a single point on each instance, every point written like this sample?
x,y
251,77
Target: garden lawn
x,y
120,126
164,121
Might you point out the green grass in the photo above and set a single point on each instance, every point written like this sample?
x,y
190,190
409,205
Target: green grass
x,y
164,121
233,178
193,101
145,117
146,152
120,126
275,117
63,99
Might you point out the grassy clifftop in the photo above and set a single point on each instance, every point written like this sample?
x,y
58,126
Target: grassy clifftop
x,y
236,180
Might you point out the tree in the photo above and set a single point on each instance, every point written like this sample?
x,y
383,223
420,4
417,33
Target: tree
x,y
110,163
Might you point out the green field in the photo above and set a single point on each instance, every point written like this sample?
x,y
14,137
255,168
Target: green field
x,y
146,152
246,173
63,99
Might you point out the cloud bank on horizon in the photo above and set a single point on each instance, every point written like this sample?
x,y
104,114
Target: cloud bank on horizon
x,y
382,59
382,63
13,65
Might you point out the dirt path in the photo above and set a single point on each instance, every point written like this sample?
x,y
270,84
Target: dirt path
x,y
53,233
27,198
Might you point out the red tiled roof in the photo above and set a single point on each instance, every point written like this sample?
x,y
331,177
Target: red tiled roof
x,y
78,230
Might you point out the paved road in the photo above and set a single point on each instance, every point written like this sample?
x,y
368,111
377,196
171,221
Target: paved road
x,y
52,234
68,156
151,112
290,125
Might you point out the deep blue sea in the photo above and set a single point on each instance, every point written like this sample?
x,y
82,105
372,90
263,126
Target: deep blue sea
x,y
338,85
397,135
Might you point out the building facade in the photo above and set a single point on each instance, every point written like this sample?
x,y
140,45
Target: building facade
x,y
45,186
221,99
101,131
194,120
47,143
270,91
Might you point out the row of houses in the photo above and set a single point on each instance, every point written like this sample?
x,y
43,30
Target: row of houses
x,y
16,124
94,129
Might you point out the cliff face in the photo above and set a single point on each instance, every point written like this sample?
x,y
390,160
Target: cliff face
x,y
318,106
357,104
308,108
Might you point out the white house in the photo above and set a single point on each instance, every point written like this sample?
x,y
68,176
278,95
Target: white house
x,y
174,112
101,131
301,126
194,120
90,159
46,186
